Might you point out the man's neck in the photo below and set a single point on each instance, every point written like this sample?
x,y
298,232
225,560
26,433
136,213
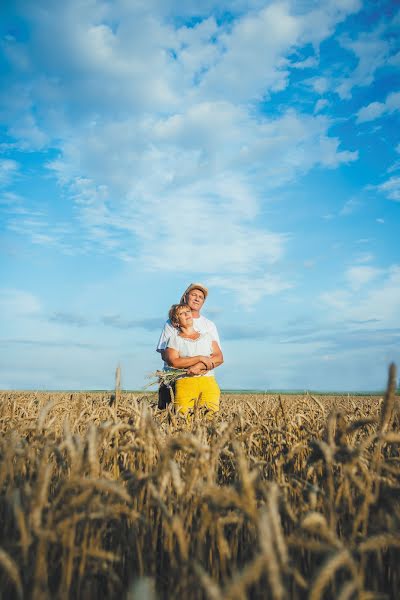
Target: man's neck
x,y
195,314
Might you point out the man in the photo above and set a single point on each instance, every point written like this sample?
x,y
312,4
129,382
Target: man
x,y
194,296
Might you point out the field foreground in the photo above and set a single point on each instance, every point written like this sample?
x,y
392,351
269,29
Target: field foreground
x,y
277,497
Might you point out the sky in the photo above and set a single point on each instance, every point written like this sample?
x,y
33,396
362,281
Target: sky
x,y
252,146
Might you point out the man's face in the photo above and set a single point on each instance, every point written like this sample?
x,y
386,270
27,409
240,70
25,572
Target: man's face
x,y
195,299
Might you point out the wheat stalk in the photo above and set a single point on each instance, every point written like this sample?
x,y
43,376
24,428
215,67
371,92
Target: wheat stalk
x,y
11,568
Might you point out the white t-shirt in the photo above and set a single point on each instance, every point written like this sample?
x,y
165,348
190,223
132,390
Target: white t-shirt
x,y
187,347
200,324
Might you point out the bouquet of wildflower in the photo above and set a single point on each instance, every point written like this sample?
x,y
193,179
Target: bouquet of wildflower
x,y
166,377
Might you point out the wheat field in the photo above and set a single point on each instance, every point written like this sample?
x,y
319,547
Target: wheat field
x,y
104,496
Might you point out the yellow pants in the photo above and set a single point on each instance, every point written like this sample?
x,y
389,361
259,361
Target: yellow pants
x,y
196,391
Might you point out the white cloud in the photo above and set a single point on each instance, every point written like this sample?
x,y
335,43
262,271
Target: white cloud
x,y
364,257
374,110
320,85
391,188
195,226
320,105
10,200
320,22
336,299
130,58
370,112
267,35
254,60
211,166
375,300
15,304
31,221
395,60
350,207
250,290
372,52
308,63
29,134
394,167
393,101
357,276
8,170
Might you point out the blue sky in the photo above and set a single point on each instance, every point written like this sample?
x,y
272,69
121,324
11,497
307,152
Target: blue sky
x,y
253,146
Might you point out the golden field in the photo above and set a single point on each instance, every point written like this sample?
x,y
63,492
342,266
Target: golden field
x,y
277,497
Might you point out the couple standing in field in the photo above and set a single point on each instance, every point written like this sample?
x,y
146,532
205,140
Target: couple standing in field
x,y
190,341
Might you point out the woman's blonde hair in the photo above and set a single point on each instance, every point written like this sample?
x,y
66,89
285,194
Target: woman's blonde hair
x,y
175,311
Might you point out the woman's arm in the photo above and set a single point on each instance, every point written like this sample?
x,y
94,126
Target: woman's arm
x,y
215,360
174,360
197,369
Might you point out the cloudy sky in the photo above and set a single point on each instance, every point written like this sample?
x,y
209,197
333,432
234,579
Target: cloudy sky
x,y
250,145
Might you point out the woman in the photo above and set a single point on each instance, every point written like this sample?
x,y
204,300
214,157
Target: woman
x,y
199,355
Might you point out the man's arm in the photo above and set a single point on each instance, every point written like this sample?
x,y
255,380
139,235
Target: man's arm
x,y
166,333
216,356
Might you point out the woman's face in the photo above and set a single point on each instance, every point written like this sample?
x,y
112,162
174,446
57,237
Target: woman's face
x,y
184,317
